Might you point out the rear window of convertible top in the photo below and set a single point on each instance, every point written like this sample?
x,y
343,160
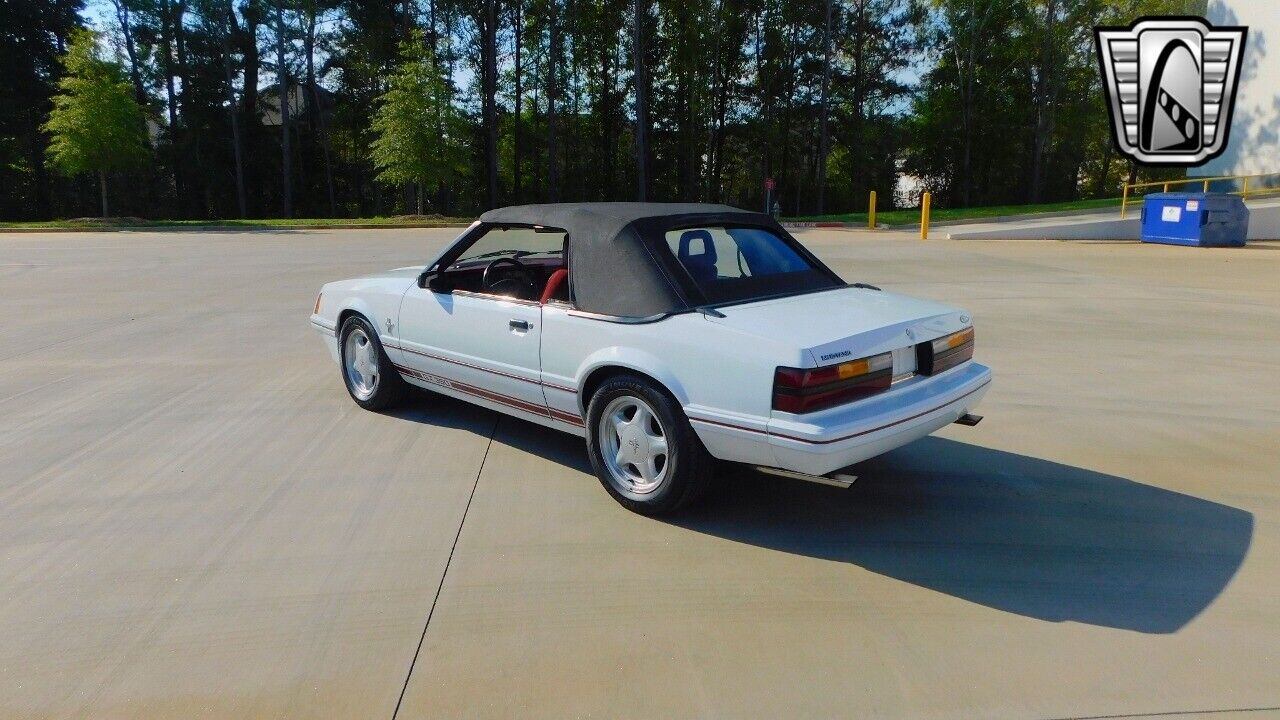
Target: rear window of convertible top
x,y
736,264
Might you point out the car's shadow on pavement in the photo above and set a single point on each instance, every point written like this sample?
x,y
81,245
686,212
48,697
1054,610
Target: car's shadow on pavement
x,y
427,408
1014,533
1011,532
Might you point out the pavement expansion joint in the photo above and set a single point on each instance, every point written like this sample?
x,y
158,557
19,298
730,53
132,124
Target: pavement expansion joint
x,y
422,638
1170,714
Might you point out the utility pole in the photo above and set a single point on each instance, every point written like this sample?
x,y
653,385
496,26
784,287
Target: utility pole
x,y
490,99
282,78
232,108
642,114
824,136
553,163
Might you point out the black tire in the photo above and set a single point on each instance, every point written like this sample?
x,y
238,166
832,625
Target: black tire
x,y
389,388
687,468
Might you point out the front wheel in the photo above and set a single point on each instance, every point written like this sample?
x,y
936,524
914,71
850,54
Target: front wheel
x,y
642,447
366,370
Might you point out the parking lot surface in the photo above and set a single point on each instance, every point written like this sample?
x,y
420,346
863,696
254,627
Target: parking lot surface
x,y
196,521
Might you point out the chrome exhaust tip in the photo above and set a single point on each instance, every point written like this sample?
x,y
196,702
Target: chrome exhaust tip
x,y
969,419
835,479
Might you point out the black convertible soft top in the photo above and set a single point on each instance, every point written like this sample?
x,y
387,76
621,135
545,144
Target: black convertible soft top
x,y
619,261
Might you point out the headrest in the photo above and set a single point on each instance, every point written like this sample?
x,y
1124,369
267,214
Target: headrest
x,y
708,253
554,284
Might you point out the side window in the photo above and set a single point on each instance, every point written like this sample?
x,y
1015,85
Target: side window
x,y
513,242
534,254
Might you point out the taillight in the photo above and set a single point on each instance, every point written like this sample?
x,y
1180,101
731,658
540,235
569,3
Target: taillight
x,y
946,352
317,310
797,390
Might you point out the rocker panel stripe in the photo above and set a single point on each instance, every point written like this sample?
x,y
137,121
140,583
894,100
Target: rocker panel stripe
x,y
499,398
441,358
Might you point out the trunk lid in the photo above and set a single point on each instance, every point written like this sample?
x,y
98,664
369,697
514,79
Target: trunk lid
x,y
847,323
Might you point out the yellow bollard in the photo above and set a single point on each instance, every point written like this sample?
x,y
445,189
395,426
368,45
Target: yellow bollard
x,y
1206,186
925,202
1166,187
1124,201
1246,188
871,212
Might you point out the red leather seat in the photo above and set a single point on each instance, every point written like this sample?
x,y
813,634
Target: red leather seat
x,y
554,284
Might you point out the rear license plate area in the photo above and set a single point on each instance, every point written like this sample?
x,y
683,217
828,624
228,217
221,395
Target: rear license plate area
x,y
904,363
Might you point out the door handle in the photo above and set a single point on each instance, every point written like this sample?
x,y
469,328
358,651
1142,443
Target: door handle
x,y
520,324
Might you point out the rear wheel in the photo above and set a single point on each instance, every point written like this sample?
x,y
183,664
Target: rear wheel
x,y
642,447
370,377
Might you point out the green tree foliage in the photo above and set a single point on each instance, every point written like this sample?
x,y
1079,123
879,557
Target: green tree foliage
x,y
417,128
33,35
881,40
980,101
96,125
1021,118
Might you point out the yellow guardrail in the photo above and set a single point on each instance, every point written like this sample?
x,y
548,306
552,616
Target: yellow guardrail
x,y
1260,187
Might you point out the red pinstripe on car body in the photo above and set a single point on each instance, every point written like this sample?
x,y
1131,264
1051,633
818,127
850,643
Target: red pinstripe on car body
x,y
441,358
499,398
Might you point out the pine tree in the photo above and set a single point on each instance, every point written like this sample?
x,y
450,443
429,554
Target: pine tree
x,y
96,125
419,131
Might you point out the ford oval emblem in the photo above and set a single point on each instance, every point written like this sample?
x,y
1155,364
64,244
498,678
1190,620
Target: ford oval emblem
x,y
910,334
964,318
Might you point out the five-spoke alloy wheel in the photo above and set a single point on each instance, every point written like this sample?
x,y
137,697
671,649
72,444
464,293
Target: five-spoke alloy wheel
x,y
633,444
642,447
359,355
367,371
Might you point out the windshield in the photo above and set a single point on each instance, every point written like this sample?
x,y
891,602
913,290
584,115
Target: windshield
x,y
732,264
512,242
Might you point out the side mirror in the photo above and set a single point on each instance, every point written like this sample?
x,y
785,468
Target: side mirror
x,y
435,281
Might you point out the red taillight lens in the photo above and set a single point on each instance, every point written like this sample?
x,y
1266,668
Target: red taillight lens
x,y
949,351
797,390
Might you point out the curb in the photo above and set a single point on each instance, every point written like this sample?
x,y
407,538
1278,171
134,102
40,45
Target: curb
x,y
805,224
1022,217
1000,219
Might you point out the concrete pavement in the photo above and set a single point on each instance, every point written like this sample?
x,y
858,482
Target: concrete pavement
x,y
196,520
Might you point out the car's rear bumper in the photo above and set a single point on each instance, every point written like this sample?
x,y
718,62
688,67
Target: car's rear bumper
x,y
840,437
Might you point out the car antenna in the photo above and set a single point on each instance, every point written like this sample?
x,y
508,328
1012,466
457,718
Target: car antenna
x,y
709,311
865,286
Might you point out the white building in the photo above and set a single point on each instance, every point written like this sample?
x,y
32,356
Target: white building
x,y
1253,147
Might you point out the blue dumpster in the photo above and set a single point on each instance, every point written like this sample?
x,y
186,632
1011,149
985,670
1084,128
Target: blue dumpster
x,y
1199,219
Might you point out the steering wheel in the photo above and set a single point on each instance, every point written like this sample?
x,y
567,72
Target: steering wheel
x,y
508,285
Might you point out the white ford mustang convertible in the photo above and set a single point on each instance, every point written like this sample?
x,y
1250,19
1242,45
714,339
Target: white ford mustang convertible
x,y
668,335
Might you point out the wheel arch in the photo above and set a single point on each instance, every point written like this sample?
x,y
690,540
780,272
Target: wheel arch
x,y
354,306
615,361
346,313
